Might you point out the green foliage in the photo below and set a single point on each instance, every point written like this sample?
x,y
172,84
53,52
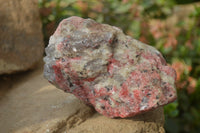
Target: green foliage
x,y
171,110
157,8
150,22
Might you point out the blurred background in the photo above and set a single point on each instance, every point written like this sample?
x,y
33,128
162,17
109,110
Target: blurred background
x,y
172,26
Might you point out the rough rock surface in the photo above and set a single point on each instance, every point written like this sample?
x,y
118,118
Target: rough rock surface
x,y
149,122
21,41
118,75
29,104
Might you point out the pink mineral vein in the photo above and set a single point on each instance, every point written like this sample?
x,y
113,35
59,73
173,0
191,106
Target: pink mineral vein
x,y
116,74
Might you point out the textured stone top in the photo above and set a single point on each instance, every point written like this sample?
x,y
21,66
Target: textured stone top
x,y
99,64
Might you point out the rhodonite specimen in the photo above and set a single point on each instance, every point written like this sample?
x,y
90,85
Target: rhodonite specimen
x,y
99,64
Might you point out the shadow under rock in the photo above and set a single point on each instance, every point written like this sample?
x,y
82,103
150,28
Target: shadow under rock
x,y
7,81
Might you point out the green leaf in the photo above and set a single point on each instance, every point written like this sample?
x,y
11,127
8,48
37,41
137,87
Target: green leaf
x,y
123,8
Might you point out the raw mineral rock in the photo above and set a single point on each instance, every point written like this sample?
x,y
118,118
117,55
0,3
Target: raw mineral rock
x,y
21,40
99,64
